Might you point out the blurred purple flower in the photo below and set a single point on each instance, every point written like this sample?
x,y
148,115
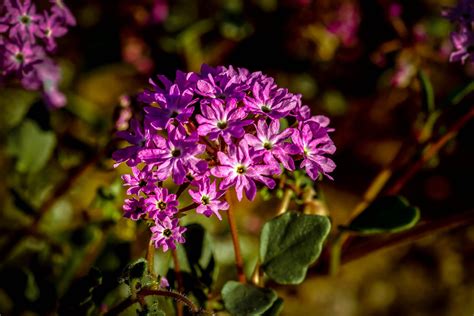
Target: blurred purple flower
x,y
134,209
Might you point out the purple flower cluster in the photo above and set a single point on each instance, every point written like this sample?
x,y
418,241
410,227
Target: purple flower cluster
x,y
210,132
26,38
462,16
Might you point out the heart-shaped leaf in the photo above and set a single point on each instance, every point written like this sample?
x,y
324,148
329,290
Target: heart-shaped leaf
x,y
290,243
246,299
388,214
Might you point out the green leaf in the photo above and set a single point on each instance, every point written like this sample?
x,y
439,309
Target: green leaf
x,y
276,308
14,104
385,215
31,146
290,243
246,299
428,92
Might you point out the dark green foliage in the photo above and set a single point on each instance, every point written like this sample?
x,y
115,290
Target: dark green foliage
x,y
246,299
78,300
385,215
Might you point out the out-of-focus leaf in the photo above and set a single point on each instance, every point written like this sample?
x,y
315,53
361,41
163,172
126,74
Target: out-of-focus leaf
x,y
78,300
31,146
14,104
428,96
334,103
246,299
290,243
385,215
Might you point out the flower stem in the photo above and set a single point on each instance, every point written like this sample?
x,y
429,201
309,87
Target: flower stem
x,y
285,202
187,208
150,258
179,279
181,189
239,263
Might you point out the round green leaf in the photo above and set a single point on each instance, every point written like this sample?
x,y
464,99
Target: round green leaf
x,y
246,299
290,243
385,215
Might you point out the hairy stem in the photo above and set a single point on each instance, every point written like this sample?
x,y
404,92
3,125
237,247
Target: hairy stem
x,y
117,310
239,263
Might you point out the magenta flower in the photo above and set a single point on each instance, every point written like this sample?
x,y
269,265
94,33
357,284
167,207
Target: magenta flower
x,y
138,138
62,11
166,233
161,204
222,119
173,105
175,155
22,18
20,56
266,100
134,209
314,143
239,168
50,27
270,144
208,199
140,181
463,43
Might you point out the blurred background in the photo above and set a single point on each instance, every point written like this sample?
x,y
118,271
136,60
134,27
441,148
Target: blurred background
x,y
358,62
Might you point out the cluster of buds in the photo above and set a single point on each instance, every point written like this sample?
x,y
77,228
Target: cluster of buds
x,y
26,39
462,16
212,131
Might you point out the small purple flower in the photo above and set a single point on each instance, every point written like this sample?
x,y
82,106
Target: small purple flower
x,y
463,43
314,143
23,18
222,119
270,144
219,87
266,100
208,199
138,138
239,168
173,105
161,204
134,209
49,75
173,156
20,56
140,181
62,11
50,27
164,282
166,233
159,12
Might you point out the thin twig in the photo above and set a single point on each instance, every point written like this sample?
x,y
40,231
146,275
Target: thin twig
x,y
429,153
179,279
239,263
